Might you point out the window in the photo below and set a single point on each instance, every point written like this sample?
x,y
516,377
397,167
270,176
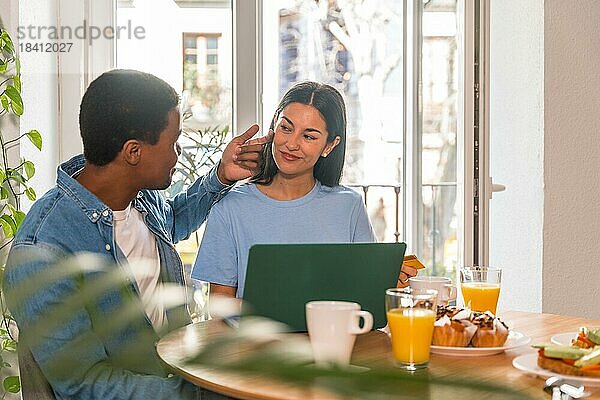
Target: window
x,y
212,42
202,87
194,54
189,45
211,59
361,49
411,191
439,133
205,45
397,64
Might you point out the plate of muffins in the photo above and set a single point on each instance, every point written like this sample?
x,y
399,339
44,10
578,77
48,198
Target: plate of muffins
x,y
462,332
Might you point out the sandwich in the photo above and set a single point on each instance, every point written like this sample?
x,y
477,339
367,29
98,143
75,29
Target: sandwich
x,y
581,358
570,360
587,338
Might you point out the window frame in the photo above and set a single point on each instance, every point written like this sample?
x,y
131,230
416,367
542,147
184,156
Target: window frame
x,y
247,107
247,110
95,59
474,189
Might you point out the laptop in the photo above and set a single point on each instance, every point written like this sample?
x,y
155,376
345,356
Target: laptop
x,y
282,278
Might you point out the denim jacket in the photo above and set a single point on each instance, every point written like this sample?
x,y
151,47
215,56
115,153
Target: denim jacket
x,y
116,363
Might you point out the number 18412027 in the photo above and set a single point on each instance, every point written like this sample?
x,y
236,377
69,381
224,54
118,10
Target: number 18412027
x,y
45,47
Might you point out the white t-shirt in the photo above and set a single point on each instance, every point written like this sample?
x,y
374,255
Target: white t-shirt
x,y
138,244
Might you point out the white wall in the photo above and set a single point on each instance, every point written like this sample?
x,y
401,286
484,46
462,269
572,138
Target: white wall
x,y
10,123
571,277
53,82
38,78
40,98
545,95
516,149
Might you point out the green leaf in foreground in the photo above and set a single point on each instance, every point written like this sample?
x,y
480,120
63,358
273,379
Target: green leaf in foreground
x,y
6,229
17,82
30,193
29,168
12,384
5,102
16,102
9,345
19,216
8,43
36,138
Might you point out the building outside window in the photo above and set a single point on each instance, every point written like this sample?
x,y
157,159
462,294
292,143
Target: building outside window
x,y
202,89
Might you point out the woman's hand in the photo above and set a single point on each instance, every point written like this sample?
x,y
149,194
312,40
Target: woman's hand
x,y
405,273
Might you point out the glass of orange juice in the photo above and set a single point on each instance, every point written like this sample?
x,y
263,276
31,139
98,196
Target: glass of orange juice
x,y
410,316
480,287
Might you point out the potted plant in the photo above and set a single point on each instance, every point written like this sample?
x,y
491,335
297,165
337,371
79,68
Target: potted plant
x,y
14,183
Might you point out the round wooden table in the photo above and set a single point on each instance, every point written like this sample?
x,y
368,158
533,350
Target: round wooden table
x,y
372,348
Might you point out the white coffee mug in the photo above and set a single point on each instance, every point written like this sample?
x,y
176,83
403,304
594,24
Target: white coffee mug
x,y
332,327
446,290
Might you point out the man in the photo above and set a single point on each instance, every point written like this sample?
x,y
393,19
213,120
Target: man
x,y
90,342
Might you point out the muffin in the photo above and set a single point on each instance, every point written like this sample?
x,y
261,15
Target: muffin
x,y
453,327
491,331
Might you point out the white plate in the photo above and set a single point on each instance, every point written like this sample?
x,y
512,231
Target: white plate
x,y
528,363
515,339
564,338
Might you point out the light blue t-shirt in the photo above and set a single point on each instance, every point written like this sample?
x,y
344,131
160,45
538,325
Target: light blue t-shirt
x,y
246,217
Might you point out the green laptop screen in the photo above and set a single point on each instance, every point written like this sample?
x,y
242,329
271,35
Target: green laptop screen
x,y
282,278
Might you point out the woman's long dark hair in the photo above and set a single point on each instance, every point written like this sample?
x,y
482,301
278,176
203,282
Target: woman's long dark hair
x,y
329,102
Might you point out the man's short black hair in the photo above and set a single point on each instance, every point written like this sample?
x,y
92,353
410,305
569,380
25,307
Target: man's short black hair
x,y
121,105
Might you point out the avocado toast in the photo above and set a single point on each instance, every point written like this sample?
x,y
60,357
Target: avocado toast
x,y
577,359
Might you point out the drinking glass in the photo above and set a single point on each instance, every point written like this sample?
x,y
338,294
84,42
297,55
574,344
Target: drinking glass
x,y
480,287
411,315
199,305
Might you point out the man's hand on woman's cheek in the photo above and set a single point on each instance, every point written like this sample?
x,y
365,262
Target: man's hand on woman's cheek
x,y
242,156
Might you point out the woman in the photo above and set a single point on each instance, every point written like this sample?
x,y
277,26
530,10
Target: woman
x,y
295,198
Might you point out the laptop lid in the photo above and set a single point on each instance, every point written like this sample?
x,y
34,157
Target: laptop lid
x,y
282,278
